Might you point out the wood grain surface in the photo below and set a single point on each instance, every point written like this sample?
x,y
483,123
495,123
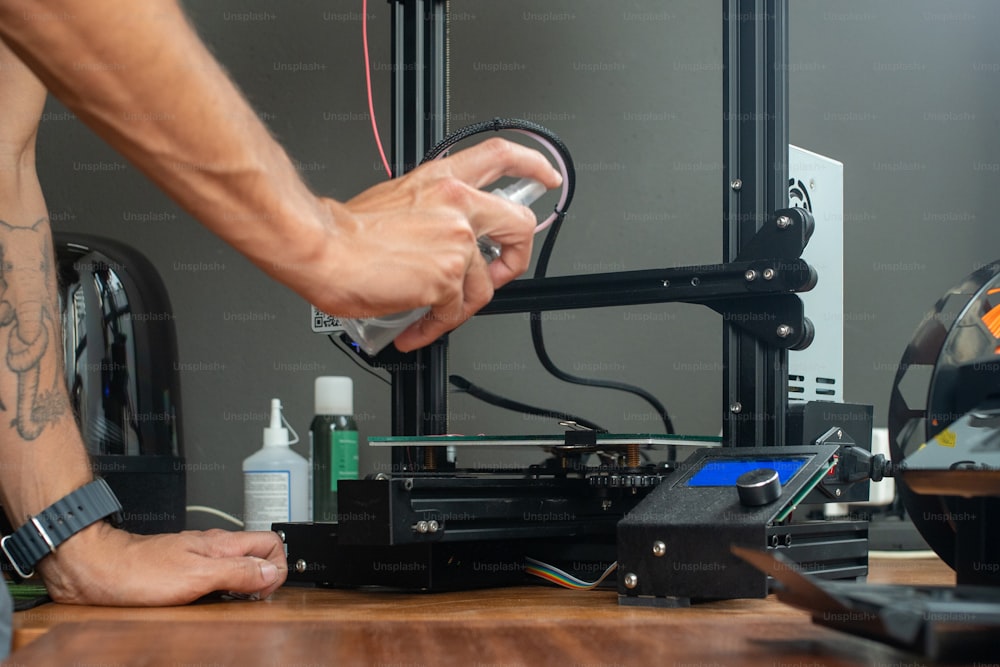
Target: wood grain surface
x,y
535,625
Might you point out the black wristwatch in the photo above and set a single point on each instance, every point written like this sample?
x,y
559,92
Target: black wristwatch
x,y
42,533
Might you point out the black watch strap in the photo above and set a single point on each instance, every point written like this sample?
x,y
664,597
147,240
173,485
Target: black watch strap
x,y
42,533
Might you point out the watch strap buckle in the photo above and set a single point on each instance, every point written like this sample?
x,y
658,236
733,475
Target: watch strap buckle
x,y
13,561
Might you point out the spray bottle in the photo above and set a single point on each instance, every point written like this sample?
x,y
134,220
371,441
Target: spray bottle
x,y
372,334
275,479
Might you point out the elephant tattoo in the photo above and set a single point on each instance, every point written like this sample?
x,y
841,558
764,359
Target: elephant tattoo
x,y
27,301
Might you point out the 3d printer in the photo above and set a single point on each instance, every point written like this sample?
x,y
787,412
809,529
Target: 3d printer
x,y
429,524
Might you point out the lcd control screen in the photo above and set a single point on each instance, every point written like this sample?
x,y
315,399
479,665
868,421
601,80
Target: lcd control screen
x,y
725,471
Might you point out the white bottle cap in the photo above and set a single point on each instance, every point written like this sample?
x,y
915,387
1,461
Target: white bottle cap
x,y
334,395
275,435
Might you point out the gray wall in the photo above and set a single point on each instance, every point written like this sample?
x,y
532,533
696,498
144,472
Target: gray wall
x,y
904,92
907,96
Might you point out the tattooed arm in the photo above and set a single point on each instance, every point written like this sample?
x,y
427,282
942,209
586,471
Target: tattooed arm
x,y
42,456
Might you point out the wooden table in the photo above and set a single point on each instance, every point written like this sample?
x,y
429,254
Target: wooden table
x,y
532,625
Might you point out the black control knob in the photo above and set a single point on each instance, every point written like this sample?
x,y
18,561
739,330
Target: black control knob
x,y
758,487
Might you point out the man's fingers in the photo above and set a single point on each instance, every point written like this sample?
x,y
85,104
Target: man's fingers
x,y
222,543
513,230
244,562
439,321
484,163
242,575
477,292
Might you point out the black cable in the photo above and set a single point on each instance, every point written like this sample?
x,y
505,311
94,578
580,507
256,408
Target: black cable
x,y
354,358
495,399
537,340
539,344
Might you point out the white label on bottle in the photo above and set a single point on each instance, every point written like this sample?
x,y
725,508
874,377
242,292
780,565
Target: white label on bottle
x,y
267,498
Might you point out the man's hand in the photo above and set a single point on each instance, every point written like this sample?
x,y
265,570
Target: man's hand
x,y
411,241
102,565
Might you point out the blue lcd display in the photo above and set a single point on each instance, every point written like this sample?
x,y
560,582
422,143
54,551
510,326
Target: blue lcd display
x,y
725,472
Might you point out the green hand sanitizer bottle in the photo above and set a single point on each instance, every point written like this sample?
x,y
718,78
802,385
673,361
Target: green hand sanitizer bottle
x,y
333,437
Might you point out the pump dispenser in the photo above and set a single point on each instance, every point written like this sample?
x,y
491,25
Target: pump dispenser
x,y
275,479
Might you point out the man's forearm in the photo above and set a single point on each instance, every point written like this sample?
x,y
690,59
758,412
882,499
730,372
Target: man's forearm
x,y
138,75
40,446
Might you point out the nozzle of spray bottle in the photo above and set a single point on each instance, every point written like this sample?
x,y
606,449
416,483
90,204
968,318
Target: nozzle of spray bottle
x,y
374,333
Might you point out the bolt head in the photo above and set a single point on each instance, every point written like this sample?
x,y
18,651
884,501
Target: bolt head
x,y
783,331
432,526
784,222
750,275
736,408
736,184
631,580
659,548
422,526
837,492
768,274
300,566
281,534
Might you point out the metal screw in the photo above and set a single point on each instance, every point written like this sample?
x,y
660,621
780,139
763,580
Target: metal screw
x,y
422,526
750,275
840,433
432,526
281,534
784,222
631,581
666,283
695,281
837,492
300,566
736,408
659,548
784,331
605,504
768,273
736,184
